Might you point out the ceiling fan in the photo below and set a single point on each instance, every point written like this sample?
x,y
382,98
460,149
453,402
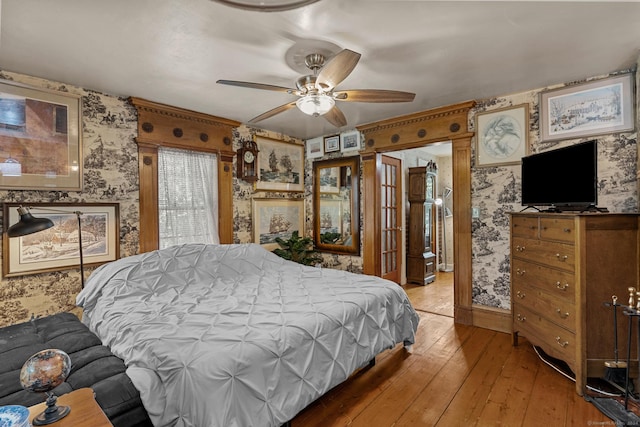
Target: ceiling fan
x,y
317,93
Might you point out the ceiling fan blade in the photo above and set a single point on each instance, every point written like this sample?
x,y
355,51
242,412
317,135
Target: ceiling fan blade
x,y
373,95
337,69
256,86
273,112
336,117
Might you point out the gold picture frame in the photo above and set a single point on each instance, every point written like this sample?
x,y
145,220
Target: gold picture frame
x,y
280,165
55,249
273,218
40,138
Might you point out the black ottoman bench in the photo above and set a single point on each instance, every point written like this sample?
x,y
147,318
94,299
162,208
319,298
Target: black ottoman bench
x,y
92,365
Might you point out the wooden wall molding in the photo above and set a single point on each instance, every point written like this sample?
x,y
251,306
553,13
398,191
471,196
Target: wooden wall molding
x,y
167,126
409,131
412,131
162,125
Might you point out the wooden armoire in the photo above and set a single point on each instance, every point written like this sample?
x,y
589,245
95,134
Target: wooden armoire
x,y
421,259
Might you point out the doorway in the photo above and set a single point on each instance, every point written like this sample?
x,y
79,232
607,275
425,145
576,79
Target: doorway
x,y
412,131
435,297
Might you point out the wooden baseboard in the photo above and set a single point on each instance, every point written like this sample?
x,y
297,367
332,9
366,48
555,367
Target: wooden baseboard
x,y
496,319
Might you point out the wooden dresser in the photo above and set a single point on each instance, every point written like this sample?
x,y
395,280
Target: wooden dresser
x,y
564,266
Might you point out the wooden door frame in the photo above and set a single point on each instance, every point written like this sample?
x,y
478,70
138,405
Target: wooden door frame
x,y
413,131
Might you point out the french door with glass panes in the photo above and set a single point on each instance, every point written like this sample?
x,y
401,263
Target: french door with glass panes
x,y
391,226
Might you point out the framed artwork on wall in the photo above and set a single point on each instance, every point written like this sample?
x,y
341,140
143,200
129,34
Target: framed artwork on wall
x,y
315,147
331,143
280,165
40,139
350,141
588,109
57,248
502,136
276,218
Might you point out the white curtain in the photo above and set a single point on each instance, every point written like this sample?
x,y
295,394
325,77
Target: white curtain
x,y
187,197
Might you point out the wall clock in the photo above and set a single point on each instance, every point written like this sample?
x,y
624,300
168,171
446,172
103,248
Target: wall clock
x,y
248,161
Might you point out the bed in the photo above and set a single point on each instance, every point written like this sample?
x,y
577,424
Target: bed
x,y
233,335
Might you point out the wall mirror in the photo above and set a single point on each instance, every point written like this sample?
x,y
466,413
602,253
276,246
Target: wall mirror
x,y
336,218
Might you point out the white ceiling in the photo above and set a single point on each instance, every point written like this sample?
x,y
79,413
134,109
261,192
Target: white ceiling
x,y
173,51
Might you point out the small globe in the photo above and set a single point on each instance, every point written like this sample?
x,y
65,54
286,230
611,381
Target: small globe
x,y
45,370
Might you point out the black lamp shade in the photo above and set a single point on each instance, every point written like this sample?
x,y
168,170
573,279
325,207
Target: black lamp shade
x,y
28,224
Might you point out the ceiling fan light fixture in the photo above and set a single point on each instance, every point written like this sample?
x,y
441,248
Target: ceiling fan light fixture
x,y
315,105
266,5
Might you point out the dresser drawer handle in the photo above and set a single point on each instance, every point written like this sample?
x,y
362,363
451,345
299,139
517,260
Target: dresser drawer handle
x,y
561,286
562,343
520,295
519,248
561,314
520,272
520,318
566,230
562,257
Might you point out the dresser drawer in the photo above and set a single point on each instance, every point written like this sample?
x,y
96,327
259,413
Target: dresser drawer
x,y
524,226
553,254
562,229
555,308
559,282
555,340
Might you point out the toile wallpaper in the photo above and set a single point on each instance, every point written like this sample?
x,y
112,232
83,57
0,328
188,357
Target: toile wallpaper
x,y
110,157
111,175
496,191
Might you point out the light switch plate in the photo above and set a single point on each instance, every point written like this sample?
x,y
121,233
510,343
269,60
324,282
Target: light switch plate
x,y
475,212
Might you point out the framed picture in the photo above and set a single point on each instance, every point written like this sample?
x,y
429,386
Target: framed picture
x,y
315,148
276,218
281,165
502,136
588,109
329,180
57,248
331,143
40,139
350,141
330,216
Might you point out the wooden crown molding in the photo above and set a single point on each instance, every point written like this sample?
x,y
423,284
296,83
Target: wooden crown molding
x,y
438,124
165,125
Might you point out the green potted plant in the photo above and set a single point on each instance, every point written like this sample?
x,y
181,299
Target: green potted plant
x,y
297,249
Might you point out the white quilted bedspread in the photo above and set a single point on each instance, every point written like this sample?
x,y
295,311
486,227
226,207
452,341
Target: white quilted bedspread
x,y
233,335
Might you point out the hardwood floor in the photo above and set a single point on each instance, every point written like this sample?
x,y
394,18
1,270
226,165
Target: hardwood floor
x,y
456,376
436,297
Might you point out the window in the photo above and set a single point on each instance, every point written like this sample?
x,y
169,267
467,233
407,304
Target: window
x,y
187,197
60,119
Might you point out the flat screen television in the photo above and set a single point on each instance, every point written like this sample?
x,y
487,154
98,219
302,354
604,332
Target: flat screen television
x,y
562,179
